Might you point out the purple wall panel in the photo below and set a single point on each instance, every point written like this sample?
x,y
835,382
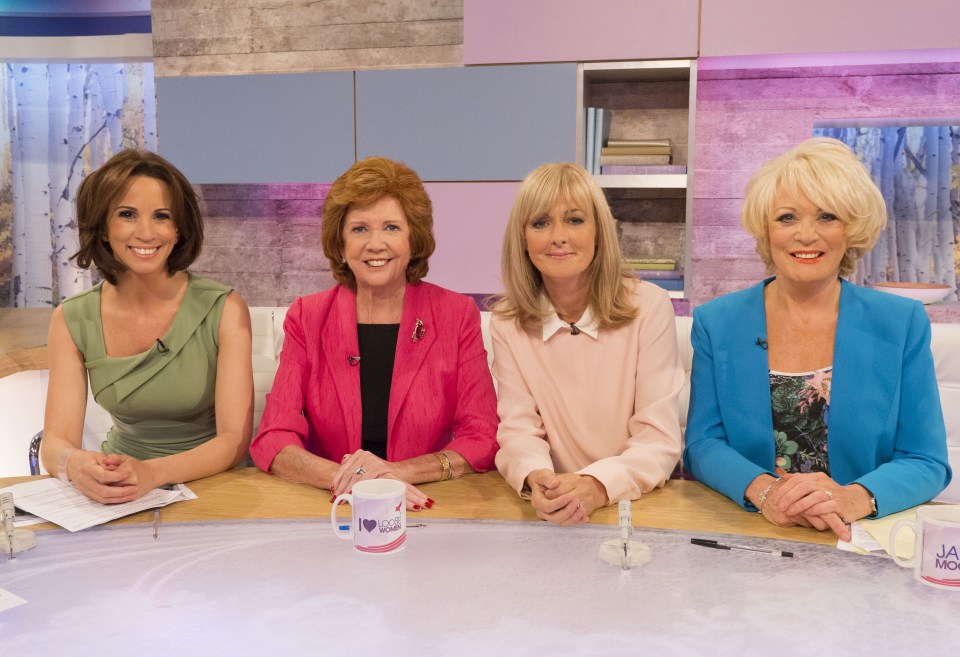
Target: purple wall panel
x,y
264,240
746,116
751,27
783,65
469,221
717,212
508,31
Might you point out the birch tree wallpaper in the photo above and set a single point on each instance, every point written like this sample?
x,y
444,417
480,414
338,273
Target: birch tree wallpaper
x,y
58,122
918,171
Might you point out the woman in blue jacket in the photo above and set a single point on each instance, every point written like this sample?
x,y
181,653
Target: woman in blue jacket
x,y
814,401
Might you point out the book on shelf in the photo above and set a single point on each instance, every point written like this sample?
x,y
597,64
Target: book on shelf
x,y
649,263
659,261
634,160
671,285
652,149
589,133
658,274
600,137
639,142
642,169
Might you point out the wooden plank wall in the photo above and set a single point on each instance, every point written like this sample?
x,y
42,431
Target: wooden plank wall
x,y
745,117
264,241
229,37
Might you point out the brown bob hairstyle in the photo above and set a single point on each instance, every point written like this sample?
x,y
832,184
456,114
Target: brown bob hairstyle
x,y
100,191
367,182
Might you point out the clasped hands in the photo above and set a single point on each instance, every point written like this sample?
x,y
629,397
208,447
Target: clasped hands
x,y
565,499
110,478
815,500
363,465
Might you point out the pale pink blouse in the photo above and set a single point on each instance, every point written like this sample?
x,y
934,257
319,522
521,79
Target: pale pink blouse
x,y
601,403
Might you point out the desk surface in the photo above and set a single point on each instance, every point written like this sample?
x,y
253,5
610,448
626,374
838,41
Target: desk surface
x,y
248,493
252,568
23,339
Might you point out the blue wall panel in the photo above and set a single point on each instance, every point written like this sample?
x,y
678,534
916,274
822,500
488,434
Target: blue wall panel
x,y
277,128
484,123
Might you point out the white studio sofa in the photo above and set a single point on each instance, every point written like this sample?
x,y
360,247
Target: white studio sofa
x,y
945,344
267,325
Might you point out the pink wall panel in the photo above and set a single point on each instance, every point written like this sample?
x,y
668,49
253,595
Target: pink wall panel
x,y
756,27
508,31
469,221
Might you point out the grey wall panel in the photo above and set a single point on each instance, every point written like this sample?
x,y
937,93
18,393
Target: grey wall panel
x,y
281,128
484,123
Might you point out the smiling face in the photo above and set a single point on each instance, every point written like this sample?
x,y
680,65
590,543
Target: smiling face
x,y
141,230
376,245
561,243
807,243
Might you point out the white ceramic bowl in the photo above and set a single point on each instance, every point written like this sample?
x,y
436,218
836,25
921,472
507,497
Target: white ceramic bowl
x,y
923,292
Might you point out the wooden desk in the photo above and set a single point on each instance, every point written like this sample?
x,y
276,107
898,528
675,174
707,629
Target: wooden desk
x,y
23,339
248,493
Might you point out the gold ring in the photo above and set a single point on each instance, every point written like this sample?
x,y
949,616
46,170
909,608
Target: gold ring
x,y
829,494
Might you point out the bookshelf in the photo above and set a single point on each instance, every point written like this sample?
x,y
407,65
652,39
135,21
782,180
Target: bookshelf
x,y
648,100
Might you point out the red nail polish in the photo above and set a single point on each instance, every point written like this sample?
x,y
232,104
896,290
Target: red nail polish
x,y
416,507
428,504
429,501
332,499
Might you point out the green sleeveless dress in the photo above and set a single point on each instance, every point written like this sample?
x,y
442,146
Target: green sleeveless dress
x,y
161,401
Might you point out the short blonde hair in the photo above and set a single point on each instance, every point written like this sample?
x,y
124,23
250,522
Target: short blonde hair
x,y
828,174
365,183
610,297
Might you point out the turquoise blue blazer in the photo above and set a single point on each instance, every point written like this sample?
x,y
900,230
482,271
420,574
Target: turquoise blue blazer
x,y
885,430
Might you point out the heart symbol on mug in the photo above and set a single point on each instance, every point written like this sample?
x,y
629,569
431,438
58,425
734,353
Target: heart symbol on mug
x,y
369,525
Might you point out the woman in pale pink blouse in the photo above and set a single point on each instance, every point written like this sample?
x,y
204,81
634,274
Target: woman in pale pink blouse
x,y
585,356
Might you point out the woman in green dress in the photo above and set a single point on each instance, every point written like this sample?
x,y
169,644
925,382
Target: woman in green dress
x,y
167,353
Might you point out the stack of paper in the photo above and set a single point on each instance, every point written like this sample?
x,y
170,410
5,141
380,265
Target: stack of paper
x,y
873,536
60,503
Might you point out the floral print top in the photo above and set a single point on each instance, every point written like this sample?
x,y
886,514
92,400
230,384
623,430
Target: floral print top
x,y
801,405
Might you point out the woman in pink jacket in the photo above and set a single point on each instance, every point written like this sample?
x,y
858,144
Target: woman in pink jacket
x,y
585,356
382,375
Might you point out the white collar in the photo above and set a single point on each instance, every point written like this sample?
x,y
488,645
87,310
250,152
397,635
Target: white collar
x,y
553,324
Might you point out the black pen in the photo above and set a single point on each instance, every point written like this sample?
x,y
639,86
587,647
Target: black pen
x,y
705,542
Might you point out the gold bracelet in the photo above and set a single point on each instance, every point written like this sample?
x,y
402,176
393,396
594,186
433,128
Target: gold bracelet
x,y
444,465
763,495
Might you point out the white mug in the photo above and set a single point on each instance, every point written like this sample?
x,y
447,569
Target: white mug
x,y
936,554
378,522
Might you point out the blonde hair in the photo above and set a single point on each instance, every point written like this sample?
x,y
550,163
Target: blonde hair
x,y
610,300
827,173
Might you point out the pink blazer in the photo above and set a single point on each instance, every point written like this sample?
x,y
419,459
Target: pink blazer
x,y
441,395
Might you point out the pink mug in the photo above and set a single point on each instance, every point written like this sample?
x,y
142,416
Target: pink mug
x,y
378,524
936,554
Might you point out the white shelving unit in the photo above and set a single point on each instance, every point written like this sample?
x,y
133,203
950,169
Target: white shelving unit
x,y
634,89
655,181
